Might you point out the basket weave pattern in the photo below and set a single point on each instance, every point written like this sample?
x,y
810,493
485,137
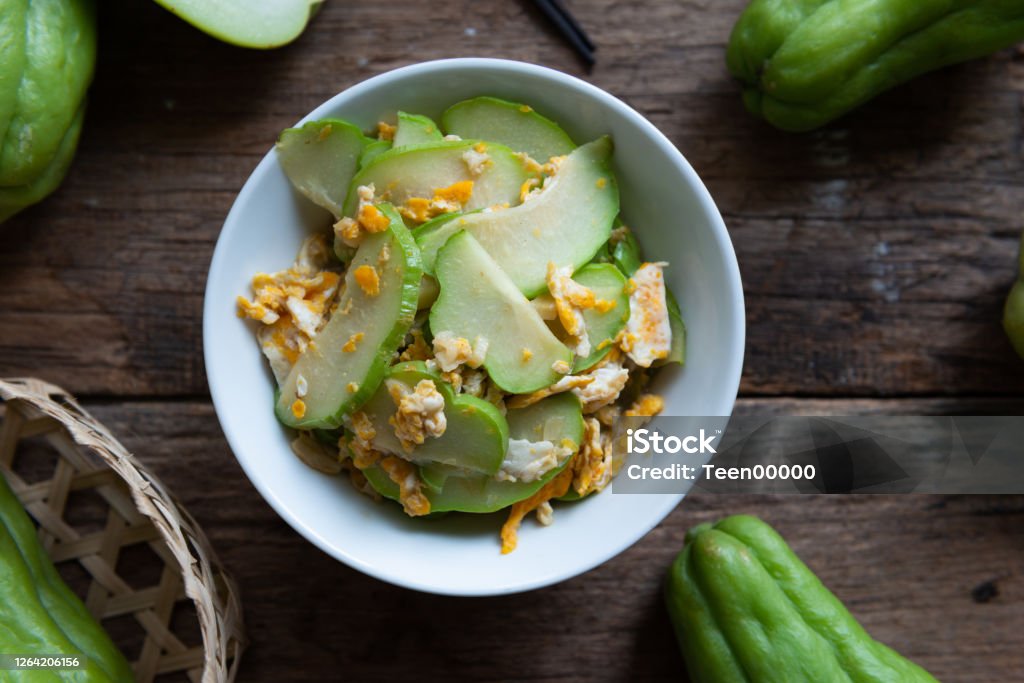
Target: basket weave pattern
x,y
140,511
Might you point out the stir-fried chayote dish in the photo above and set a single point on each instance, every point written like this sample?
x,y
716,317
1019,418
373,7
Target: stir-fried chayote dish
x,y
479,318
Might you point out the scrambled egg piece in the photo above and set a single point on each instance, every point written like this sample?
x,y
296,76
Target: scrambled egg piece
x,y
410,488
353,341
528,461
534,187
593,467
445,200
608,381
596,388
372,219
368,280
361,444
529,165
565,384
473,383
553,489
385,131
402,472
350,231
553,165
450,351
648,334
647,405
529,189
571,299
420,412
292,305
477,160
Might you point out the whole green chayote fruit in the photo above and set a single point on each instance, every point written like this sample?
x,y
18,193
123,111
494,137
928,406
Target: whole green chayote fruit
x,y
803,63
47,57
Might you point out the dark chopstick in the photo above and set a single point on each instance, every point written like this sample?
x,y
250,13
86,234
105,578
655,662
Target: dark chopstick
x,y
560,6
570,29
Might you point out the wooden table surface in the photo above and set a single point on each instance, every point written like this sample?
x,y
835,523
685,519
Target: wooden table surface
x,y
875,256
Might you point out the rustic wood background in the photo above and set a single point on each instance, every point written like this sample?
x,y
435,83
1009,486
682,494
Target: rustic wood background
x,y
875,254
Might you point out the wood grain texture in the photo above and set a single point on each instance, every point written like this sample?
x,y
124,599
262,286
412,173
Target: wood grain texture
x,y
875,253
940,578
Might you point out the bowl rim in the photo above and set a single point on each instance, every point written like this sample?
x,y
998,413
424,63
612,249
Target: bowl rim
x,y
731,375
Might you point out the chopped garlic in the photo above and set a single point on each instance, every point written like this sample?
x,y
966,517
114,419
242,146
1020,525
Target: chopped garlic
x,y
477,160
545,514
301,386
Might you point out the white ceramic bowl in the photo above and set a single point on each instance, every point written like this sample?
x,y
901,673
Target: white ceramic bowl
x,y
675,220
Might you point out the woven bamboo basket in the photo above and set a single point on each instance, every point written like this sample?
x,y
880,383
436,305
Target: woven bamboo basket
x,y
134,555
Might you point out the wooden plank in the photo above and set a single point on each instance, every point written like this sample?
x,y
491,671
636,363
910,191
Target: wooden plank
x,y
875,253
937,577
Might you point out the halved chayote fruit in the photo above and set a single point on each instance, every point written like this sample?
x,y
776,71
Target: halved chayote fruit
x,y
475,437
346,361
262,25
478,300
566,223
414,129
451,490
608,284
418,170
514,125
320,158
